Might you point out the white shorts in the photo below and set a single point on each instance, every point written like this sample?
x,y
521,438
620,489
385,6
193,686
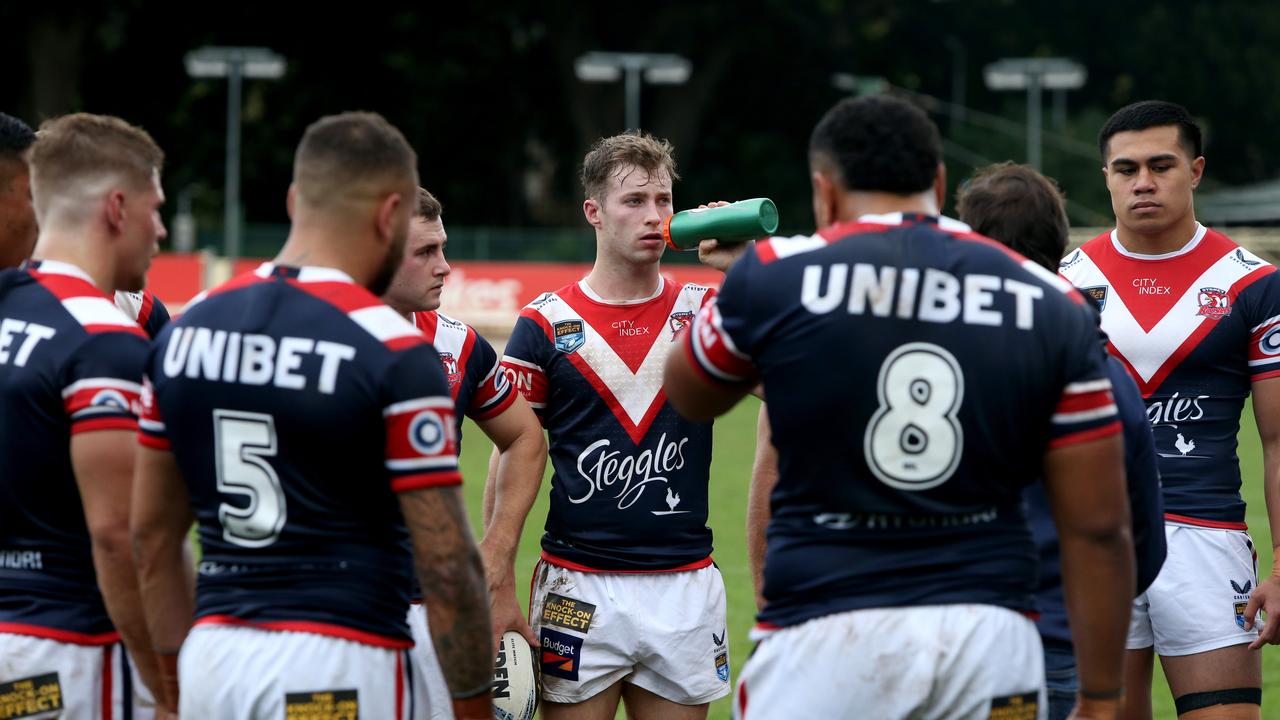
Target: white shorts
x,y
665,632
1197,601
42,678
241,673
926,663
431,697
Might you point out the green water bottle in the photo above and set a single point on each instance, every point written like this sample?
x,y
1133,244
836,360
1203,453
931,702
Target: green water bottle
x,y
733,223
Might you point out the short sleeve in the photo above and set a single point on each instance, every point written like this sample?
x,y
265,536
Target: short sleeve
x,y
421,430
102,387
494,392
719,340
523,363
1086,409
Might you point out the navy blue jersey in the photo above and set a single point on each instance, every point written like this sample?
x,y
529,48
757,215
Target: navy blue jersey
x,y
629,483
1145,507
70,362
1195,328
296,404
916,373
479,387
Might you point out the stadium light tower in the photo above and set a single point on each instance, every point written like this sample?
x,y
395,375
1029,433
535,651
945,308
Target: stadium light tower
x,y
235,64
655,68
1034,75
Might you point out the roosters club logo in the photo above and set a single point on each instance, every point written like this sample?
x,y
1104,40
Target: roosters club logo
x,y
680,321
1214,303
450,368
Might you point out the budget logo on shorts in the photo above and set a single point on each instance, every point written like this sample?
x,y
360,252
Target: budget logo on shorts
x,y
561,654
30,697
1099,295
1214,303
722,666
570,335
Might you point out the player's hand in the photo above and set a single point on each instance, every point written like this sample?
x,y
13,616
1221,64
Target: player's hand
x,y
504,609
478,708
1265,597
710,252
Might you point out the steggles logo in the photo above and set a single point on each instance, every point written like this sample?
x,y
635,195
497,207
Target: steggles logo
x,y
603,468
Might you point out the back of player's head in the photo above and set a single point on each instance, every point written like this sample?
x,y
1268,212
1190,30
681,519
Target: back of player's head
x,y
352,156
630,149
428,207
15,137
878,143
1019,207
1149,114
76,157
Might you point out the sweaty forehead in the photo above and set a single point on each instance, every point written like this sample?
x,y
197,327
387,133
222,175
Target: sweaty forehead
x,y
1139,145
630,178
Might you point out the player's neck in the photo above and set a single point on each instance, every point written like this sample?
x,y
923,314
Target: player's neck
x,y
854,205
1170,239
306,247
619,282
81,248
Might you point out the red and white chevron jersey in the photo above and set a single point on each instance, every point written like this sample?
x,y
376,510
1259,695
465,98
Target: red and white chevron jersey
x,y
471,366
629,489
1194,328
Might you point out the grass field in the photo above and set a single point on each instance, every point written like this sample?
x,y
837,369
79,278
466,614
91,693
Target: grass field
x,y
730,472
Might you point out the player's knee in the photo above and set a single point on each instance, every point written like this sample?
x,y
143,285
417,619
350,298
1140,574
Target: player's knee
x,y
1232,704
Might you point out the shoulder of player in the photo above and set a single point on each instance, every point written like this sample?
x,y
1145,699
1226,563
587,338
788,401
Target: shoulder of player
x,y
547,299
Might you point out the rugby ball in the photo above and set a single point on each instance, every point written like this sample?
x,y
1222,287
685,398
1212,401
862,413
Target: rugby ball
x,y
515,679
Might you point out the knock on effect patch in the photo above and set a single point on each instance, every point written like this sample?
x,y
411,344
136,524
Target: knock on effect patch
x,y
1015,707
30,696
322,705
568,613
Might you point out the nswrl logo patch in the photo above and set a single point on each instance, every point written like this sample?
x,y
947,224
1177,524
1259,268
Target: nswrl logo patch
x,y
30,696
322,705
570,335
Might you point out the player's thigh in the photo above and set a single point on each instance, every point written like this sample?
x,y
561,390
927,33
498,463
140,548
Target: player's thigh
x,y
933,663
644,705
1196,603
45,678
587,640
601,706
235,673
1226,668
431,700
679,621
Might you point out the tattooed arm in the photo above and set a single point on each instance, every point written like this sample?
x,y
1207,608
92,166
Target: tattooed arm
x,y
453,591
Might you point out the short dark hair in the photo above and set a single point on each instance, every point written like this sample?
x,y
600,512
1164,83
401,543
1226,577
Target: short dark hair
x,y
1018,207
15,137
354,154
1149,114
636,149
878,143
428,207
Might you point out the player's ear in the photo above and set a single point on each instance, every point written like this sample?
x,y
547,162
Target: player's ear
x,y
1197,172
114,209
385,220
940,187
591,209
826,198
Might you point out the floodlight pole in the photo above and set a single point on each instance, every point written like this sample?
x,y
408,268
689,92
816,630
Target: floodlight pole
x,y
1035,75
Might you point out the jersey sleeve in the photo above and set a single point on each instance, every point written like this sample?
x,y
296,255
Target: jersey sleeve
x,y
720,339
153,315
151,430
421,430
523,362
1264,335
1086,409
494,393
102,387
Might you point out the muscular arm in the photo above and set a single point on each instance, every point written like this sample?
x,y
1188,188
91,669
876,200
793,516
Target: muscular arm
x,y
1086,488
452,577
1266,410
694,397
515,477
103,465
161,517
764,476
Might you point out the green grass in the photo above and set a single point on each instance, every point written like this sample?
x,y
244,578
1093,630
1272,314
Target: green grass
x,y
730,476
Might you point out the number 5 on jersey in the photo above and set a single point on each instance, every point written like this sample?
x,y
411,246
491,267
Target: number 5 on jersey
x,y
242,440
913,441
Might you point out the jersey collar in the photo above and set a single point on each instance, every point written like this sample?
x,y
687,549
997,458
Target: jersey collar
x,y
1184,250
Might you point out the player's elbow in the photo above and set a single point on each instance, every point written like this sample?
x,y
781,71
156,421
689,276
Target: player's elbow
x,y
111,540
